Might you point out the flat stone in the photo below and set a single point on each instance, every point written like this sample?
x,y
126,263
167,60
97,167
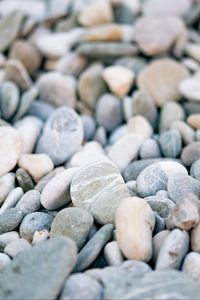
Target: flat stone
x,y
73,222
62,136
71,64
24,180
171,112
170,143
10,219
190,153
50,258
40,109
7,184
9,94
194,121
191,265
17,246
161,205
158,240
29,202
161,80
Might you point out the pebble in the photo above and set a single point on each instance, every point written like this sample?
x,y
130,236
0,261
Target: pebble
x,y
112,254
81,286
9,94
160,223
29,202
8,237
186,132
170,143
62,135
189,89
190,153
34,222
92,249
154,177
162,205
4,261
195,238
195,169
40,236
16,247
171,113
110,118
131,185
158,241
89,126
149,149
53,264
124,150
194,121
10,219
161,79
57,89
173,250
37,165
166,8
73,222
12,199
107,189
119,132
41,110
100,136
7,184
139,125
135,221
24,180
191,265
71,64
119,80
56,192
10,149
192,50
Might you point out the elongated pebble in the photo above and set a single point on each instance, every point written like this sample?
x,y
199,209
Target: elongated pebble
x,y
12,199
7,184
112,254
10,219
29,202
24,180
8,237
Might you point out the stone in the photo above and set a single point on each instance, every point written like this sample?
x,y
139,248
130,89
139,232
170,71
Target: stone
x,y
9,95
189,89
194,121
135,63
12,199
139,125
149,149
91,85
24,180
166,8
41,110
135,221
37,165
8,237
195,240
10,149
158,241
154,177
190,153
111,117
56,193
50,258
16,247
89,126
96,13
101,190
62,135
124,150
7,184
57,89
171,112
34,222
160,223
100,136
81,286
10,219
92,249
170,143
186,132
25,52
40,236
71,64
173,250
191,265
119,80
73,222
29,202
112,254
162,205
194,170
161,80
157,35
4,261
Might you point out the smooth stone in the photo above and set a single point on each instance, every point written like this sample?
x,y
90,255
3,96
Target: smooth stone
x,y
180,185
29,129
16,247
89,126
124,150
119,132
186,132
154,177
50,258
195,238
4,261
139,125
98,12
56,192
24,180
73,222
37,165
149,149
40,236
100,136
189,89
119,80
135,221
57,89
29,202
41,110
135,63
191,64
131,185
191,265
10,149
195,169
158,241
194,121
92,249
191,107
10,219
192,50
112,254
91,85
34,222
127,108
64,131
170,143
161,80
161,205
173,250
99,188
160,223
9,95
7,184
111,117
190,153
166,8
81,286
170,112
71,64
8,237
12,199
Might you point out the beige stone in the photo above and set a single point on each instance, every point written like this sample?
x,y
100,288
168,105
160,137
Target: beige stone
x,y
194,121
139,125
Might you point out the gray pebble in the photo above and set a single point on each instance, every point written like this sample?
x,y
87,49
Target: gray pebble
x,y
195,169
41,109
170,143
160,223
149,149
190,153
4,261
118,133
112,254
100,136
7,184
89,127
24,180
187,133
30,202
10,219
7,238
12,199
161,205
191,265
17,246
9,99
170,112
158,241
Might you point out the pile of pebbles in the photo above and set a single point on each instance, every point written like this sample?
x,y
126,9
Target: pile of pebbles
x,y
99,149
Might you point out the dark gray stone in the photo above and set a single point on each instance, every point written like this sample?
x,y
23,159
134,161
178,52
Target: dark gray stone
x,y
10,219
24,180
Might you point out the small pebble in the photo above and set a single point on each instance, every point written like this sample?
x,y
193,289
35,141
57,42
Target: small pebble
x,y
16,247
29,202
149,149
190,153
24,180
11,200
191,265
10,219
170,143
8,237
112,254
195,238
158,241
40,236
7,184
195,169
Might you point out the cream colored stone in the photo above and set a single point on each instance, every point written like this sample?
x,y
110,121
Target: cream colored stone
x,y
194,121
139,125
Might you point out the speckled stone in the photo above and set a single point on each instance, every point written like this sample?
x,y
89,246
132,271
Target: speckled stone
x,y
24,180
30,202
161,205
150,149
9,94
12,199
10,219
186,132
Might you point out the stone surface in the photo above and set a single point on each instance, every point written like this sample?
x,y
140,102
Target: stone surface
x,y
9,95
189,89
160,204
17,246
170,112
166,7
171,143
10,219
150,149
194,121
12,199
195,169
139,125
112,254
4,261
190,153
186,132
29,202
158,241
191,265
7,184
24,180
195,240
8,237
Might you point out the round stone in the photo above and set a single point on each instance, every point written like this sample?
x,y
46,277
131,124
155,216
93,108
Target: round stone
x,y
139,125
186,132
190,153
190,89
62,136
73,222
29,202
150,149
160,205
9,95
24,180
10,219
171,143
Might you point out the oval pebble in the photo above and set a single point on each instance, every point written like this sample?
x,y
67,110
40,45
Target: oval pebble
x,y
195,169
30,202
9,94
112,254
170,143
16,247
149,149
191,265
4,261
195,238
8,237
10,219
190,153
189,88
7,184
24,180
186,132
12,199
